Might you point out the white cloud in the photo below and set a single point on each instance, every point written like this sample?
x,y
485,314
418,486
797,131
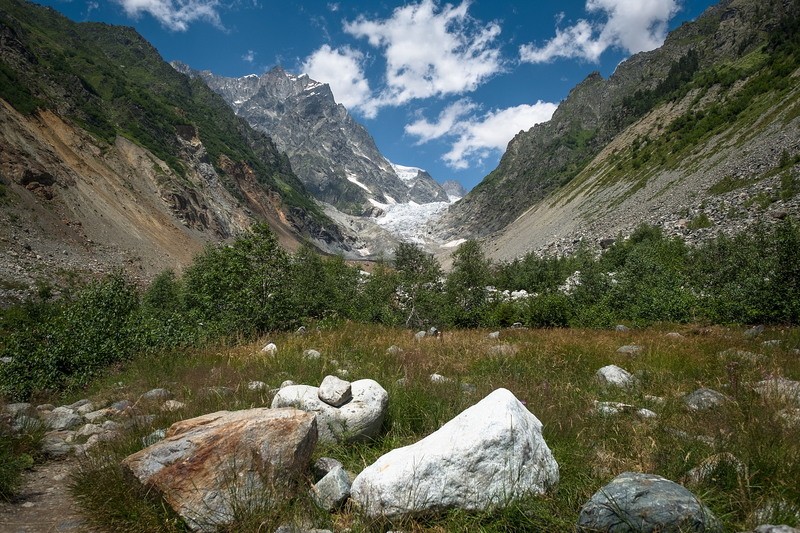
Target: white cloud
x,y
630,25
341,69
249,56
431,51
175,15
474,138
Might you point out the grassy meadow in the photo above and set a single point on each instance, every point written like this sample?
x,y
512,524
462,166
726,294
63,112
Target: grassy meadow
x,y
551,370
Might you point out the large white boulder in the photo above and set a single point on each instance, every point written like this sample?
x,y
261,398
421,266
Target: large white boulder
x,y
358,419
614,376
488,455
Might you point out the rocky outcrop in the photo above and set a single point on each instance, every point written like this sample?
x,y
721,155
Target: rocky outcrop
x,y
489,455
333,155
208,466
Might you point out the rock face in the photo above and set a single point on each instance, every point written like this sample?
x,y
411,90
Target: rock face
x,y
491,453
357,420
210,465
332,154
644,503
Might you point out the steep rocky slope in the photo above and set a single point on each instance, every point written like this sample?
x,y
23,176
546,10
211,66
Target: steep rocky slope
x,y
111,158
333,155
699,136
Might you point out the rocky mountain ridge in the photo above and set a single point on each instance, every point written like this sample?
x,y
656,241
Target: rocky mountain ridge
x,y
333,155
100,169
684,136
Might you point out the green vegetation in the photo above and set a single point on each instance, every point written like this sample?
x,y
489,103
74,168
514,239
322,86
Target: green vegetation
x,y
552,371
205,327
700,221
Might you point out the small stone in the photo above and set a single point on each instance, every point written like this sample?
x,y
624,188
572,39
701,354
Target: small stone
x,y
256,386
85,408
419,335
270,349
630,349
343,372
77,404
323,465
311,355
621,328
94,416
171,406
45,407
674,335
300,331
614,376
755,331
394,350
703,399
88,430
154,437
438,378
6,360
335,391
433,332
331,491
121,405
156,395
62,418
287,383
493,335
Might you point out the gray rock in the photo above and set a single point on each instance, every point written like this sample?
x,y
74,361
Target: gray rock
x,y
45,407
332,490
493,335
433,332
768,528
121,405
270,349
154,437
301,331
256,386
335,391
644,503
630,349
56,443
62,418
311,355
703,399
394,350
79,403
170,406
616,408
156,395
614,376
6,360
95,416
621,328
88,430
490,454
357,420
755,331
419,335
18,409
323,465
85,408
438,378
674,335
779,389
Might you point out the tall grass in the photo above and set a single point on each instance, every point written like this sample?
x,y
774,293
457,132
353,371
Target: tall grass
x,y
552,371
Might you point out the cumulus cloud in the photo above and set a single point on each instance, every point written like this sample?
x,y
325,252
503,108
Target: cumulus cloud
x,y
341,68
175,15
431,51
249,56
630,25
472,138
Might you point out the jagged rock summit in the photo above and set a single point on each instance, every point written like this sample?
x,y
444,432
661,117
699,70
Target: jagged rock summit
x,y
332,154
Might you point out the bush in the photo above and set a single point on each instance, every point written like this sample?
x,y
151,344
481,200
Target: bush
x,y
549,310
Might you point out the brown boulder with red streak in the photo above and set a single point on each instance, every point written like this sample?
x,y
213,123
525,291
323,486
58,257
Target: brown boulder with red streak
x,y
209,466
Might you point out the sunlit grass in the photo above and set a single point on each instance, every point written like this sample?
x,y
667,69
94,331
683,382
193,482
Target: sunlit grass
x,y
552,371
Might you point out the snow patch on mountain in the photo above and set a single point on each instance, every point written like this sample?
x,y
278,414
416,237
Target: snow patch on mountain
x,y
407,174
352,179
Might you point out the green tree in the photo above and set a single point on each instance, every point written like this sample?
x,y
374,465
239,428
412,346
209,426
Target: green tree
x,y
420,287
465,288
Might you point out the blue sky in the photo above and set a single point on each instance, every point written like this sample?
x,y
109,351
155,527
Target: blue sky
x,y
442,86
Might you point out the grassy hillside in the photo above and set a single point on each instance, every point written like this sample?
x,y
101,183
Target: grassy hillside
x,y
736,64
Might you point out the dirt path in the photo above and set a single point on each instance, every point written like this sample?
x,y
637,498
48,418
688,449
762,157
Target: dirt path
x,y
43,504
